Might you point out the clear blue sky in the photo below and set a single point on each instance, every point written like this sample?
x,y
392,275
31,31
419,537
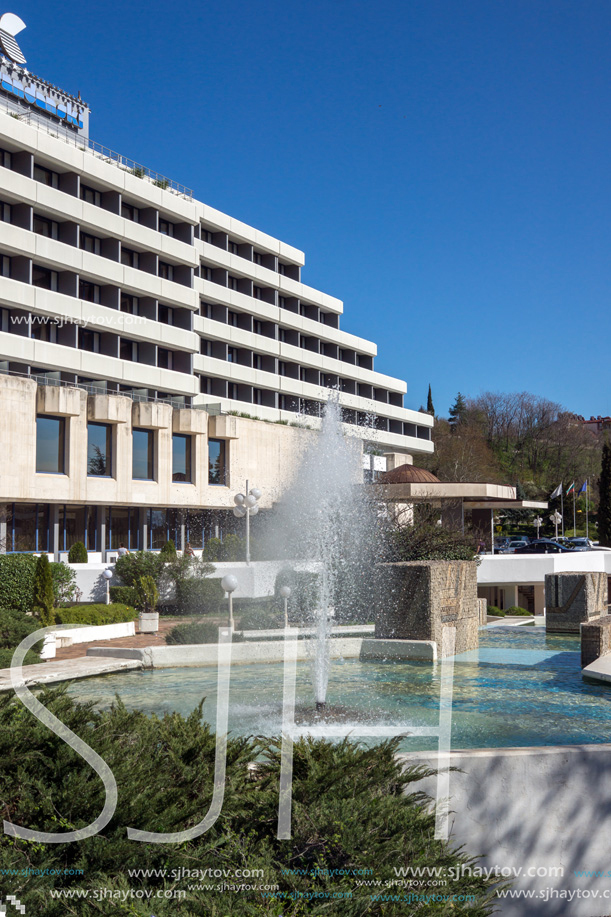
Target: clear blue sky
x,y
444,165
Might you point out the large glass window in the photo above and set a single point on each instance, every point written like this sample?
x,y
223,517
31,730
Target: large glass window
x,y
158,528
27,527
181,458
143,455
122,528
99,449
216,462
50,444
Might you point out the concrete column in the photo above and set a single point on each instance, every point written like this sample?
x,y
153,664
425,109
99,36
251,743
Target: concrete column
x,y
183,535
54,529
101,531
3,532
143,528
510,596
539,596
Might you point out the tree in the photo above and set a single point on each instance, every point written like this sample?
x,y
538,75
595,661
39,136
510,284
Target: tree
x,y
43,592
458,412
430,409
604,506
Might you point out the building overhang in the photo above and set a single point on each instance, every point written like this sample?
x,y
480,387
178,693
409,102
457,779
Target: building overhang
x,y
474,496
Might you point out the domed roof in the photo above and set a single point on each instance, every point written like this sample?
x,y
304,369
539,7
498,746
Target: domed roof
x,y
408,474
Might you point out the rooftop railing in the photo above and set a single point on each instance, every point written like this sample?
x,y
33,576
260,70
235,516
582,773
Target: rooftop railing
x,y
96,149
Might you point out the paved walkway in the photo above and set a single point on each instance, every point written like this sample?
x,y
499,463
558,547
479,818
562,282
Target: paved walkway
x,y
165,625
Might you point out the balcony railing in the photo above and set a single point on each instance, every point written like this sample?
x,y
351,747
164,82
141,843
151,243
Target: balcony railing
x,y
96,149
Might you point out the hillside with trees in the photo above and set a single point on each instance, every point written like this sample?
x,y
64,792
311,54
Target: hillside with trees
x,y
515,438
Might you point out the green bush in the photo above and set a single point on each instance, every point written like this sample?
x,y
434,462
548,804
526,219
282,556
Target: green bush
x,y
198,595
77,553
17,573
131,567
14,627
95,614
212,549
232,548
353,808
43,600
304,592
123,595
168,551
517,611
146,594
64,584
195,632
253,614
495,612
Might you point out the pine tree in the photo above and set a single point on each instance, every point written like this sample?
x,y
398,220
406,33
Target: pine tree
x,y
430,408
457,412
604,506
44,598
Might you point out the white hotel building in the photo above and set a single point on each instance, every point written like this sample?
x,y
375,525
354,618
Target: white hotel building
x,y
137,327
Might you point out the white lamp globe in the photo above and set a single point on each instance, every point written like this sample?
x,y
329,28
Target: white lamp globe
x,y
229,583
239,511
250,501
256,493
285,591
254,510
107,574
239,499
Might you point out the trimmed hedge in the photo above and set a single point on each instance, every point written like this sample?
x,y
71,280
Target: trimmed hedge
x,y
495,612
123,595
518,611
78,553
197,632
195,595
95,614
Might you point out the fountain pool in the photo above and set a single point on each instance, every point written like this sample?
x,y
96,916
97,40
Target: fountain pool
x,y
521,688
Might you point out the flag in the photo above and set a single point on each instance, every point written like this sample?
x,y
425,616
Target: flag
x,y
571,488
556,493
584,488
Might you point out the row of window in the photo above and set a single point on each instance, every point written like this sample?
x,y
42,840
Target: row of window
x,y
29,527
51,451
164,225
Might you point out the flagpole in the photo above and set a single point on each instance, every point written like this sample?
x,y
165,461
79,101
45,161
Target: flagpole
x,y
574,514
562,509
587,527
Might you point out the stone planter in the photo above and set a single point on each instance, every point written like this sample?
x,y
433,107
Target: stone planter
x,y
148,622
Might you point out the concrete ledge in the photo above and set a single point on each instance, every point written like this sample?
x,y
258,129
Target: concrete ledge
x,y
399,649
84,667
600,670
250,653
342,630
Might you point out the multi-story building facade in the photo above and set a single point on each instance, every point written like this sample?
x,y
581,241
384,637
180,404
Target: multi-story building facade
x,y
166,318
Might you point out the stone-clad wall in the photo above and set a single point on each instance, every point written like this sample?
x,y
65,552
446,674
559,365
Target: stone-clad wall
x,y
415,600
595,640
572,599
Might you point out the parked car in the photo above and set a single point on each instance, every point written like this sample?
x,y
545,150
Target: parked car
x,y
581,544
513,544
543,546
501,542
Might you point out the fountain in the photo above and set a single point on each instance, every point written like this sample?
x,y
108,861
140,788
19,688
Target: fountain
x,y
326,519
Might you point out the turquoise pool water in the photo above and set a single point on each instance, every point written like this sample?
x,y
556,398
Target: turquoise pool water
x,y
521,688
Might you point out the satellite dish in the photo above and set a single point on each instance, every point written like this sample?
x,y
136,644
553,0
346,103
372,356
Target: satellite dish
x,y
11,25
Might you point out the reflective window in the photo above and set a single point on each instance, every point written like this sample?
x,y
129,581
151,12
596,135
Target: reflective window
x,y
50,444
181,458
143,455
91,196
89,243
44,278
99,449
158,528
90,292
44,227
122,528
216,462
46,176
128,257
129,304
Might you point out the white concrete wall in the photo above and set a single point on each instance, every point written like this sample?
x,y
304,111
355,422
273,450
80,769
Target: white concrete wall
x,y
500,569
535,807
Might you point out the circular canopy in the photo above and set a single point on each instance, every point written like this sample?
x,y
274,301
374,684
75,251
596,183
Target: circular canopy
x,y
408,474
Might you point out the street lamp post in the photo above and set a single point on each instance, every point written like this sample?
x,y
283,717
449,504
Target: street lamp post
x,y
247,505
229,583
556,518
285,592
107,574
537,522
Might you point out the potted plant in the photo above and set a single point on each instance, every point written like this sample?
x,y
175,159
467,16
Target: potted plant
x,y
146,597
